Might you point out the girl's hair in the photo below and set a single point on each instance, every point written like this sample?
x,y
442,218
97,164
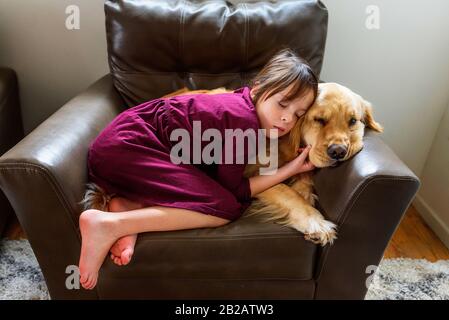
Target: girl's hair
x,y
283,69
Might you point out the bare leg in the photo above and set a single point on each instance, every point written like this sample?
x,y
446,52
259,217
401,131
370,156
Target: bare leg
x,y
123,249
99,231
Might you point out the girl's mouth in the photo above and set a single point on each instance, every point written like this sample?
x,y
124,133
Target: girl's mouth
x,y
279,128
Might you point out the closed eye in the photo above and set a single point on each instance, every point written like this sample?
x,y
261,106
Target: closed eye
x,y
320,121
298,115
283,106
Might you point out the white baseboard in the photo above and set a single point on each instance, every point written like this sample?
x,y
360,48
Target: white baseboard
x,y
432,219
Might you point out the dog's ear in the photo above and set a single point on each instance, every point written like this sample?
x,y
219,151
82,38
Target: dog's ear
x,y
295,134
368,118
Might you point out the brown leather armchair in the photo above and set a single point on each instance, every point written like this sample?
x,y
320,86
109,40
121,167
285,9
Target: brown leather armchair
x,y
156,47
11,128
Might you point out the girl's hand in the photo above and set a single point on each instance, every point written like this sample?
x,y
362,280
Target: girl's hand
x,y
301,163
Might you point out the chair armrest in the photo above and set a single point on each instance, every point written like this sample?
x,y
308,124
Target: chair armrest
x,y
366,197
44,178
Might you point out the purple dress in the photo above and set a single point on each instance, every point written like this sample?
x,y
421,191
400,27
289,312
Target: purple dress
x,y
131,156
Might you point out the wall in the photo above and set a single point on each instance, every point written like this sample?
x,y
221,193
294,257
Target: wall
x,y
53,64
433,198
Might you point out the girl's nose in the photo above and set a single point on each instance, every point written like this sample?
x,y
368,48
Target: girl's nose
x,y
286,118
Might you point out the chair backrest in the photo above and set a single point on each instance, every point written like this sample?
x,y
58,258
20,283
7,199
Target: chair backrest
x,y
159,46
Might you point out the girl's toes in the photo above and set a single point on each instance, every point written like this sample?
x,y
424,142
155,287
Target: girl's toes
x,y
126,256
87,286
93,284
86,281
112,256
89,283
83,278
117,261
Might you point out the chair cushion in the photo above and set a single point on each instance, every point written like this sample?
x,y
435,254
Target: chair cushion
x,y
159,46
245,249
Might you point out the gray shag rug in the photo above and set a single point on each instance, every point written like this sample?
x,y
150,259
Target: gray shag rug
x,y
20,275
395,279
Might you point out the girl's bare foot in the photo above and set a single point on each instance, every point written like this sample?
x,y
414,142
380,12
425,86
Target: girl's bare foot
x,y
123,249
97,233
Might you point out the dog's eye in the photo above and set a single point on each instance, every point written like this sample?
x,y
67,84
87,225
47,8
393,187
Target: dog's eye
x,y
352,121
320,121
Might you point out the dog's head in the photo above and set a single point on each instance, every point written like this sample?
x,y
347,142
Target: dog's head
x,y
334,125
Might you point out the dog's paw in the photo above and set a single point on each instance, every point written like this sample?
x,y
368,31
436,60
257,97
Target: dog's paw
x,y
312,224
321,232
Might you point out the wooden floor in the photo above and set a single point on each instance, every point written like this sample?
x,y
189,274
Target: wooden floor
x,y
413,239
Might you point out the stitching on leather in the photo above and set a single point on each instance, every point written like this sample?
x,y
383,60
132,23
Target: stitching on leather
x,y
233,237
48,177
207,279
54,184
352,203
181,37
344,213
321,5
147,73
246,33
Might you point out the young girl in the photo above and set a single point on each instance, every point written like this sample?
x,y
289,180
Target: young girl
x,y
131,160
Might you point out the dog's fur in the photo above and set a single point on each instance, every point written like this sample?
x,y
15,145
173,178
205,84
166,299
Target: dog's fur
x,y
326,124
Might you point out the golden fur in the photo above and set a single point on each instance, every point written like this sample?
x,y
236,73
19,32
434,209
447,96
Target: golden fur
x,y
291,203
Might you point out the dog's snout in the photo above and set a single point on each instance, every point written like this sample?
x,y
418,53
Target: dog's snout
x,y
337,151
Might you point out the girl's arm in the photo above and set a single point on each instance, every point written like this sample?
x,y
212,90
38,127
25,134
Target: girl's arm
x,y
263,182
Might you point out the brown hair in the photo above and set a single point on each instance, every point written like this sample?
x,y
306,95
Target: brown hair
x,y
283,69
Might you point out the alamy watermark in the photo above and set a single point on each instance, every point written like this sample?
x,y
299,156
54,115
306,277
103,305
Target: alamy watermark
x,y
193,151
371,269
72,282
72,22
372,21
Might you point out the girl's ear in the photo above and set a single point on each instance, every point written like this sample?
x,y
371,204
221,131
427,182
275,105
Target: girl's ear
x,y
295,135
368,118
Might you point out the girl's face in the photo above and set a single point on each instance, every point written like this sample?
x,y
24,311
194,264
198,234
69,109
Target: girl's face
x,y
275,113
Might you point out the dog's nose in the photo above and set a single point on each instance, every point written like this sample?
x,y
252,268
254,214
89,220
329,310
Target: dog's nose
x,y
337,151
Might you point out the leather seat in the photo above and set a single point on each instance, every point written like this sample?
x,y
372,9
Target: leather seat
x,y
244,249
